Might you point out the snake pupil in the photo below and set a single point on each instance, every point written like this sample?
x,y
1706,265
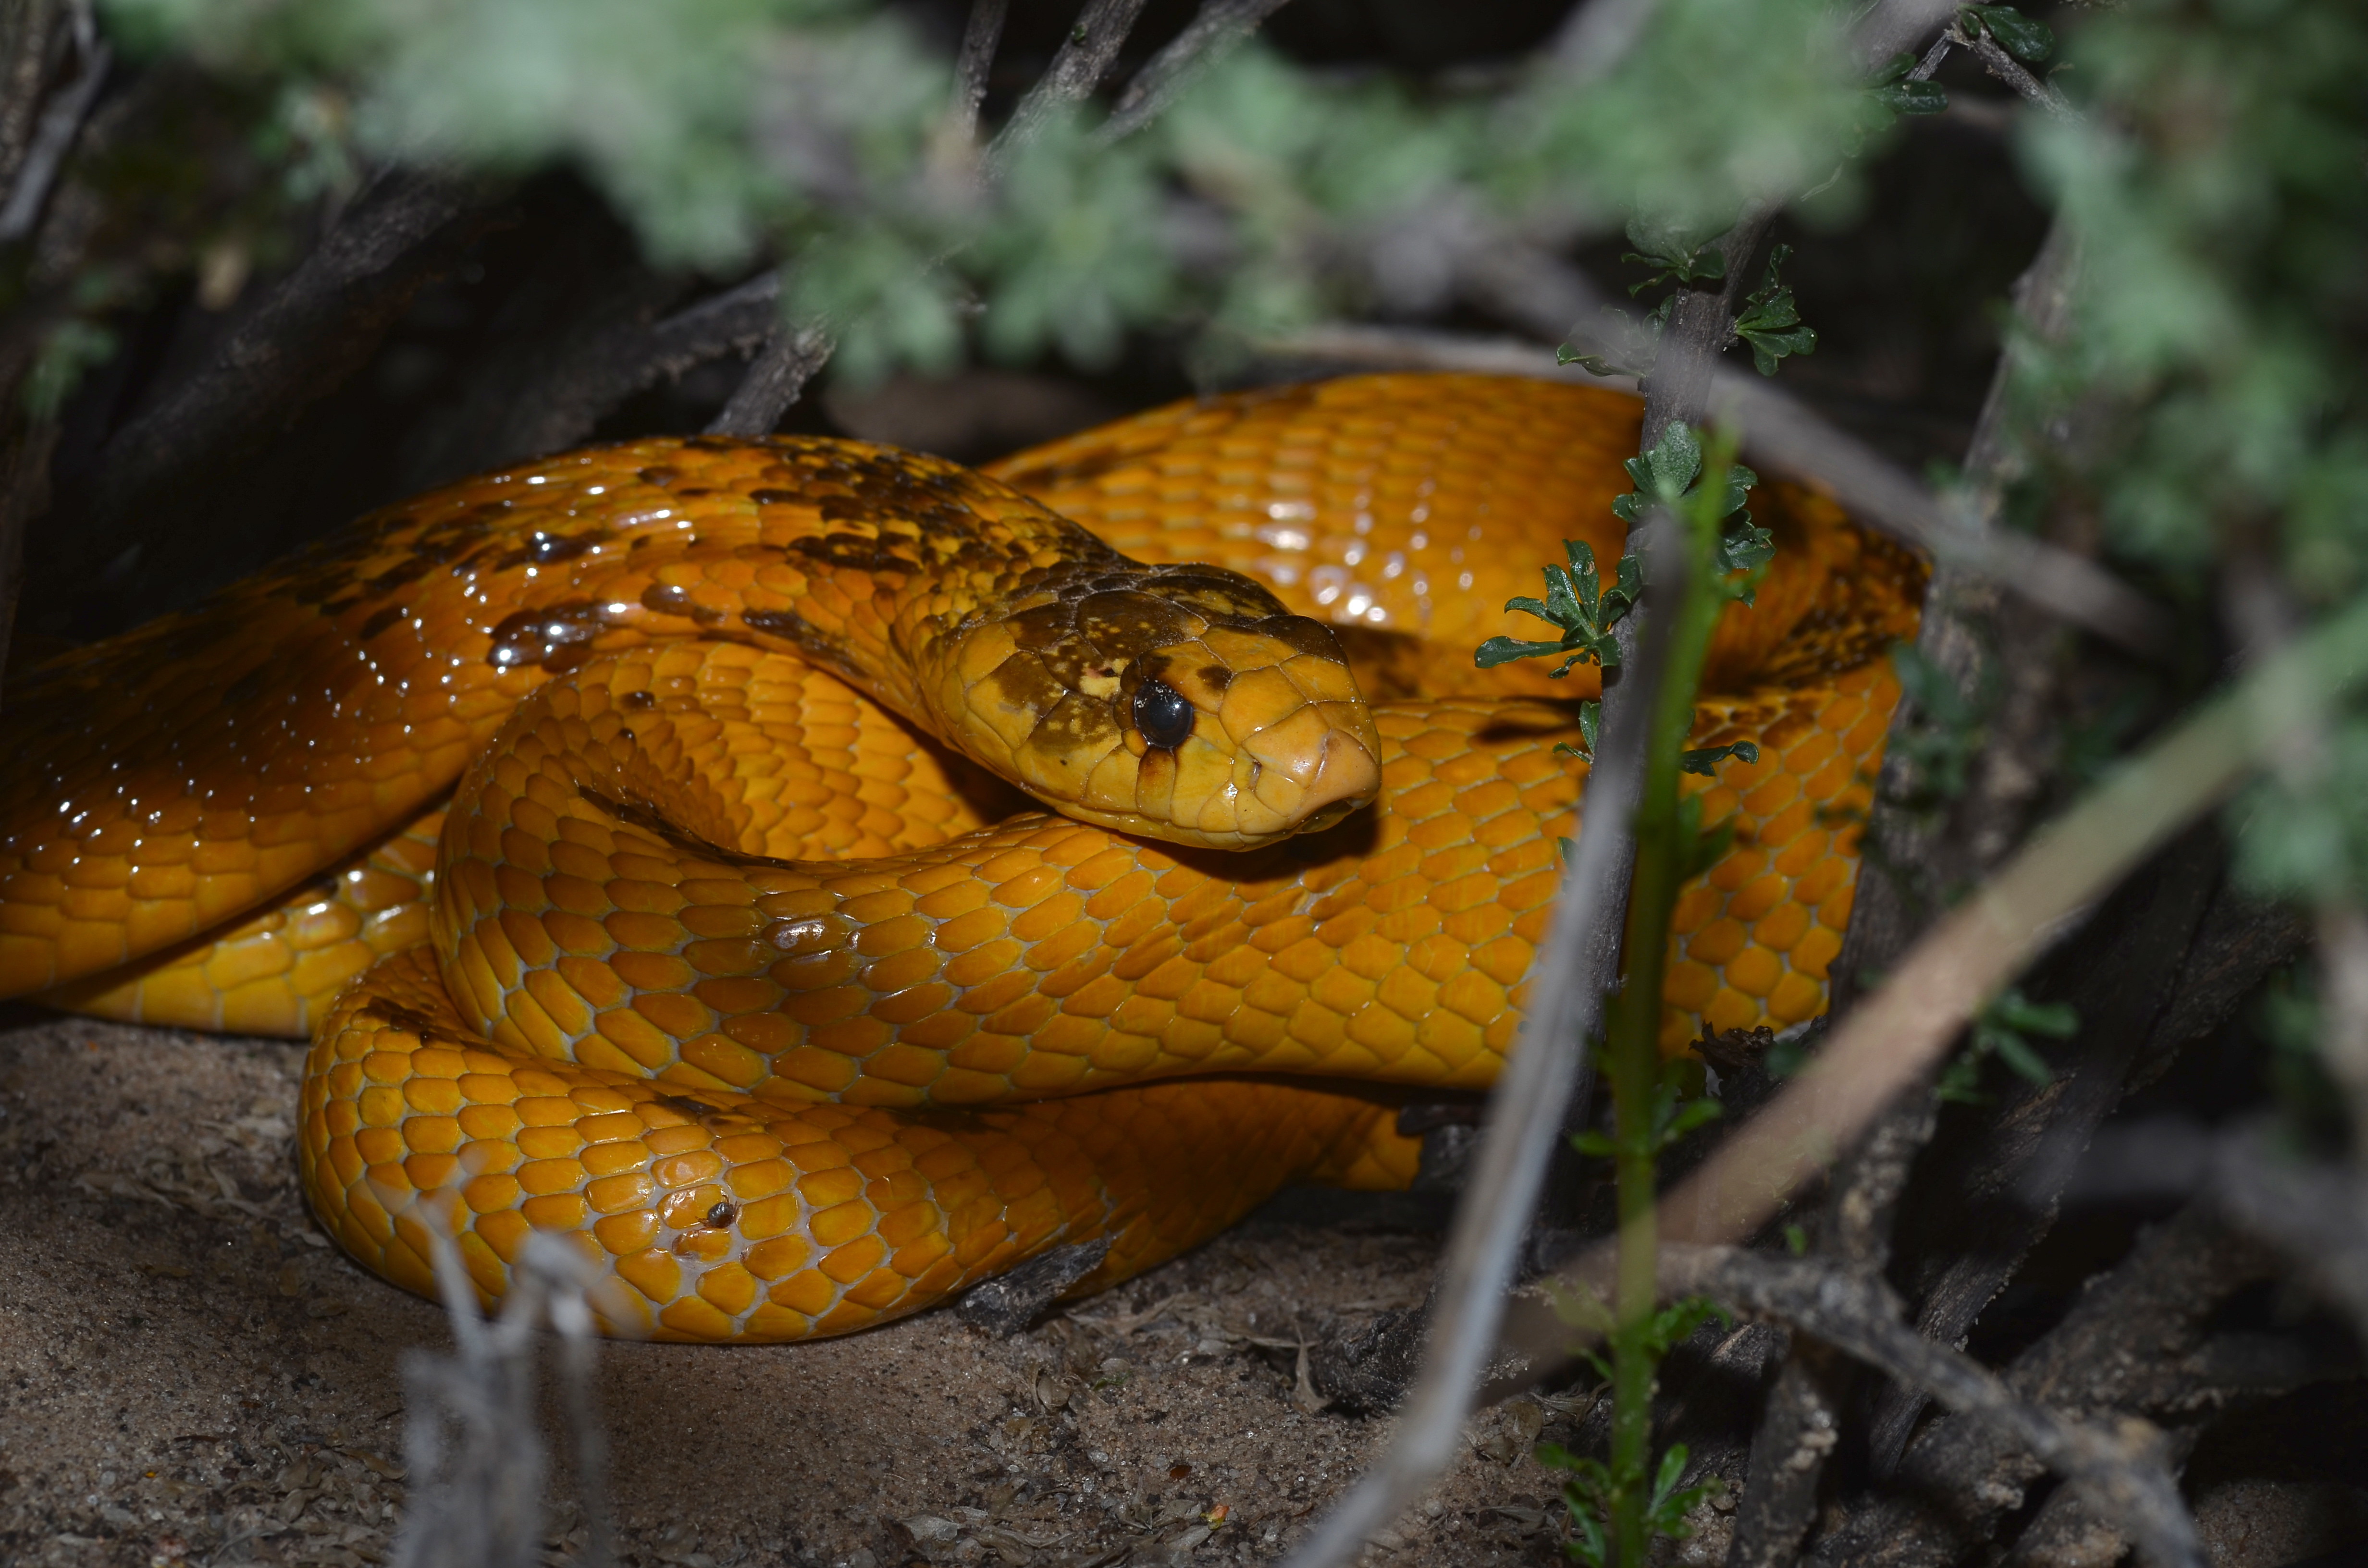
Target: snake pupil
x,y
1162,714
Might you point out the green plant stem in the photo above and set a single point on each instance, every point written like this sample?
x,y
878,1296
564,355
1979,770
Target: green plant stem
x,y
1633,1056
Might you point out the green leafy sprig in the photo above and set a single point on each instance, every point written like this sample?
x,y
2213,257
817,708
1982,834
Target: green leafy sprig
x,y
2003,1031
2025,38
1580,605
1770,321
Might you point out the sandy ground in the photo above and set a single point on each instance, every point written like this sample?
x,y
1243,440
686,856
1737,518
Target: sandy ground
x,y
188,1372
190,1375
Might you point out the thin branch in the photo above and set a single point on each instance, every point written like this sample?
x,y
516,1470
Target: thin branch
x,y
1525,1116
2008,69
775,379
2137,1344
1084,59
1220,28
1801,1418
980,38
60,124
303,338
1800,1425
1902,1030
1856,1314
1895,26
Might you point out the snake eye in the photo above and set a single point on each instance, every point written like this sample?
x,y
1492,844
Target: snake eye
x,y
1162,714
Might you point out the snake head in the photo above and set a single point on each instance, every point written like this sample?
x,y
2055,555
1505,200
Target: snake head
x,y
1178,703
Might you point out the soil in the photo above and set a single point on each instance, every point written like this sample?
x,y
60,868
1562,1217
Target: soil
x,y
190,1374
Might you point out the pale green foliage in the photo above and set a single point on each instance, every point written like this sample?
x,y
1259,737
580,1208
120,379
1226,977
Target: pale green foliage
x,y
1269,197
1783,110
2217,189
2218,197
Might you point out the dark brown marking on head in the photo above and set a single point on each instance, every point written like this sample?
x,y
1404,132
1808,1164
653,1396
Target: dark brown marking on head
x,y
1216,677
660,475
688,1105
711,444
1302,635
775,497
638,701
722,1216
694,492
1074,723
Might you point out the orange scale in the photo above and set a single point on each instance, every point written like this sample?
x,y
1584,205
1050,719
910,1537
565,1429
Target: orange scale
x,y
1814,953
1740,867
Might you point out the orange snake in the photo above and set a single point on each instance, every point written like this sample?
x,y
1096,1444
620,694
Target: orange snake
x,y
613,910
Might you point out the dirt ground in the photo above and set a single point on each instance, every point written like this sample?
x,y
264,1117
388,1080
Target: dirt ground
x,y
190,1374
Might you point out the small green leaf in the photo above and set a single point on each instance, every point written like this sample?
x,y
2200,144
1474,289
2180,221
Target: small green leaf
x,y
1912,98
2021,35
1705,760
1673,1465
1796,1241
2027,1064
1594,1145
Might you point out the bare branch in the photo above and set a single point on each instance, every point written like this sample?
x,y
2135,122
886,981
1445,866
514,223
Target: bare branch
x,y
775,379
2008,69
1220,28
1895,26
60,124
1079,67
971,68
2139,1342
1799,1428
304,337
1525,1115
2122,1469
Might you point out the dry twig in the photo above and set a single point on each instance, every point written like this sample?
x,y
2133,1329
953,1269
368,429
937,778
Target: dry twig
x,y
1857,1314
1219,28
1084,59
775,379
302,339
1525,1120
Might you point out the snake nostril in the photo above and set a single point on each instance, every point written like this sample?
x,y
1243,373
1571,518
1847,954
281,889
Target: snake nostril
x,y
722,1216
1162,714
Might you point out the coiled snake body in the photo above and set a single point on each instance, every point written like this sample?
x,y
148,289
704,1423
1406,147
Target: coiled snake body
x,y
638,834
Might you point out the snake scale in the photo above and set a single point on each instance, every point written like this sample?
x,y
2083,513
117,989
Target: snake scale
x,y
654,840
